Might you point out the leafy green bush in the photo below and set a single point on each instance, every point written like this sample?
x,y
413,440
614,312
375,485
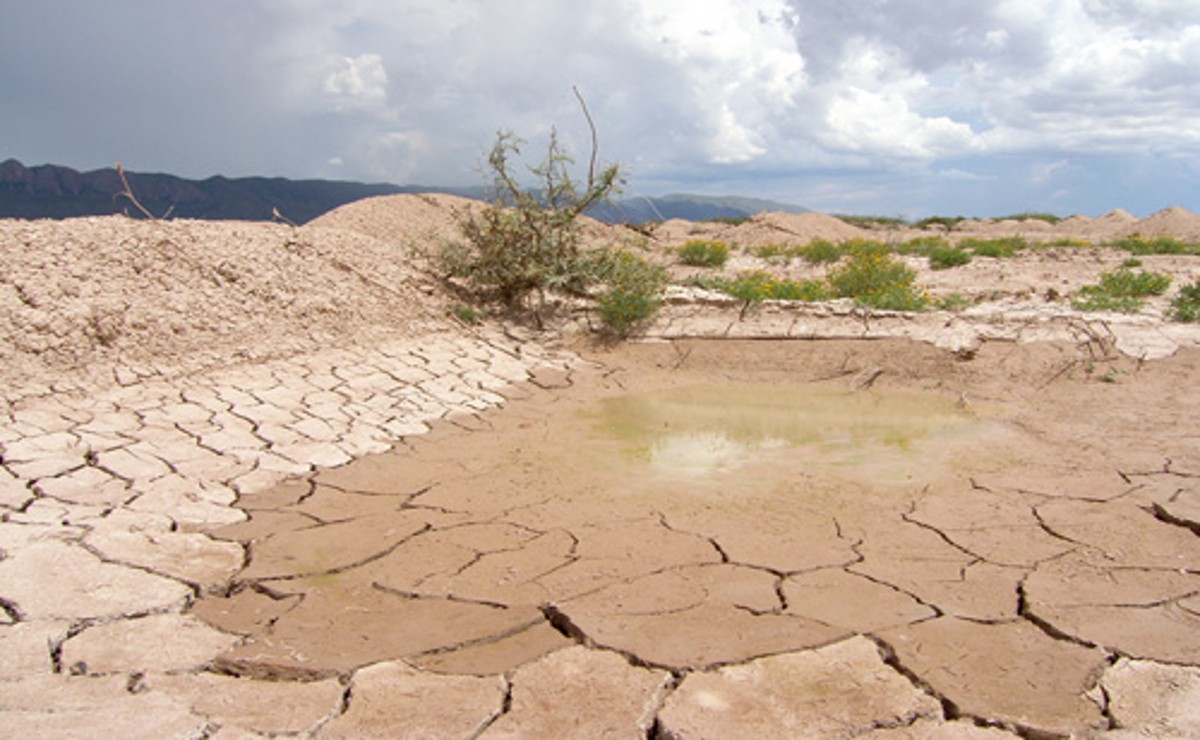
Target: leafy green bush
x,y
1121,290
943,258
820,251
758,285
700,253
872,277
632,289
1185,306
527,241
999,248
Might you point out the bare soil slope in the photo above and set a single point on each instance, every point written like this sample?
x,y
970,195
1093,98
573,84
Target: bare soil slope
x,y
81,297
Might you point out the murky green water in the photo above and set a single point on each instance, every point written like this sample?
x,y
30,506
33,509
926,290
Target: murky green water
x,y
706,428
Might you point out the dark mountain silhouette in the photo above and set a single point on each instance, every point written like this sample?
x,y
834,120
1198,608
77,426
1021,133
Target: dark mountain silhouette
x,y
53,191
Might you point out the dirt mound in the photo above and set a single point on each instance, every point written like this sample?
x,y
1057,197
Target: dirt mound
x,y
423,222
80,297
1175,221
787,228
405,220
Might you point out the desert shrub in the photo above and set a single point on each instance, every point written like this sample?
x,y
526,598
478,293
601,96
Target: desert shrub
x,y
1143,245
1121,290
728,220
873,278
947,222
1066,241
820,251
998,248
632,290
775,252
943,258
700,253
873,222
759,285
923,245
526,241
1049,218
1185,306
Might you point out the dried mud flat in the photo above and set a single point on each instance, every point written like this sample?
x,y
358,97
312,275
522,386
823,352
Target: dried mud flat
x,y
339,514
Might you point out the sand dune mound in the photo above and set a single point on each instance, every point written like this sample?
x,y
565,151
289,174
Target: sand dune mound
x,y
774,227
82,296
423,222
1175,221
400,219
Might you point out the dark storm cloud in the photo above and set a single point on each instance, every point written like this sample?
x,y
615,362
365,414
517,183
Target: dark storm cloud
x,y
823,102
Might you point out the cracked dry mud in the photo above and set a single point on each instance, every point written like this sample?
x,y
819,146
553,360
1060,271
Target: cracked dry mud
x,y
977,548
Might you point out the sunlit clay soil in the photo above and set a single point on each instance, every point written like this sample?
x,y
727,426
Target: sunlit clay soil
x,y
1001,527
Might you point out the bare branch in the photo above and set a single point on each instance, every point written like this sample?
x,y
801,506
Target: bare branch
x,y
591,181
128,193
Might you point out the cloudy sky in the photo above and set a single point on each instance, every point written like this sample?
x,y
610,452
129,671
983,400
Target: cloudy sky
x,y
889,107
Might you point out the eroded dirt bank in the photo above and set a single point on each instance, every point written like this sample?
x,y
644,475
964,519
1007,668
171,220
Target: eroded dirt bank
x,y
1026,560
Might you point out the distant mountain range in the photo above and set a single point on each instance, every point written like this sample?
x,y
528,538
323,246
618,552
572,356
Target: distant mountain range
x,y
53,191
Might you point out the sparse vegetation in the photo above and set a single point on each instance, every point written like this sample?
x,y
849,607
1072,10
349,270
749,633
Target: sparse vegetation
x,y
701,253
1121,290
1066,241
778,253
998,248
758,285
946,222
943,258
1144,245
729,220
952,302
467,314
874,222
875,279
821,251
923,245
1049,218
632,289
1185,306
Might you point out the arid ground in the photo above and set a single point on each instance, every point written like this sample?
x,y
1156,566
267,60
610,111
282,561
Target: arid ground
x,y
257,481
